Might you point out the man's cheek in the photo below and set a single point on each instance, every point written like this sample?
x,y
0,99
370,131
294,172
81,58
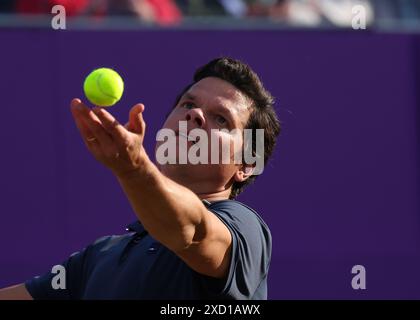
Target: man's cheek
x,y
225,149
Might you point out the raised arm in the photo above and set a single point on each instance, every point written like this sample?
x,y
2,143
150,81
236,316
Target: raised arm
x,y
171,213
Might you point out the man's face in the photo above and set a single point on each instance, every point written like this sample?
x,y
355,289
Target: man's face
x,y
211,105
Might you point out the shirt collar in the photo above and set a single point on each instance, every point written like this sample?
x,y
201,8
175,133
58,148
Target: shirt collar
x,y
136,226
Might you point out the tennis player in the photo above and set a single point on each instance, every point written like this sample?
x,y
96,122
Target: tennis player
x,y
191,239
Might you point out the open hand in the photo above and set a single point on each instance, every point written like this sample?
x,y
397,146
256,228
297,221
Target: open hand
x,y
118,147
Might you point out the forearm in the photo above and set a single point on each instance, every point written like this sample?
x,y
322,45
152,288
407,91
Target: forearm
x,y
17,292
168,211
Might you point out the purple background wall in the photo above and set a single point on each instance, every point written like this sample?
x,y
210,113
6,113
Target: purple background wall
x,y
342,189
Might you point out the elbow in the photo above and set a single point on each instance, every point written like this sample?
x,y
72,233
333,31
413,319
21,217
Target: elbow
x,y
192,234
184,239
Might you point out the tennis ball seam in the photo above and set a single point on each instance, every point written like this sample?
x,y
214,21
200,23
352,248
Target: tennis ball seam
x,y
100,88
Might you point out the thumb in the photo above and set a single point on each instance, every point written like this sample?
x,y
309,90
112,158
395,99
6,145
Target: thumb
x,y
135,122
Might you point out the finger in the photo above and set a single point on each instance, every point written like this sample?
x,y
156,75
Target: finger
x,y
84,130
92,143
111,125
136,121
87,135
93,126
80,106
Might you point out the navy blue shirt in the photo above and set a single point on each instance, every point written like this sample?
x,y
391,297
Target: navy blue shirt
x,y
136,266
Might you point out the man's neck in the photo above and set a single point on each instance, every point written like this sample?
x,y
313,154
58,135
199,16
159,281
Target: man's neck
x,y
221,195
202,190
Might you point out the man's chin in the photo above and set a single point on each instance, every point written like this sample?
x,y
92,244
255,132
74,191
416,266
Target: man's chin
x,y
196,171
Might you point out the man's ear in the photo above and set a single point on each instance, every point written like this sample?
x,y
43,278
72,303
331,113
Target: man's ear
x,y
244,172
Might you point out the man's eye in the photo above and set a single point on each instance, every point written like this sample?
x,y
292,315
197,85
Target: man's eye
x,y
220,120
187,105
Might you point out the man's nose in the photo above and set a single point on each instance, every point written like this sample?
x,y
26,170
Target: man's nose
x,y
196,116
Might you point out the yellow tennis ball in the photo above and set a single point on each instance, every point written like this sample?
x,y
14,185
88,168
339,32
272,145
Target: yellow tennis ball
x,y
103,87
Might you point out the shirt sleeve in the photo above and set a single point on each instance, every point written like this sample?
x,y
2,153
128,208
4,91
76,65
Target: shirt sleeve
x,y
50,286
251,252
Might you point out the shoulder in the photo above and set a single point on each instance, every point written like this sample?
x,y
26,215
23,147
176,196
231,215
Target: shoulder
x,y
100,246
238,213
107,242
250,252
246,226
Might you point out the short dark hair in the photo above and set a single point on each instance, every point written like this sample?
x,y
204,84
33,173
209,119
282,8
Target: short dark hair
x,y
263,115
